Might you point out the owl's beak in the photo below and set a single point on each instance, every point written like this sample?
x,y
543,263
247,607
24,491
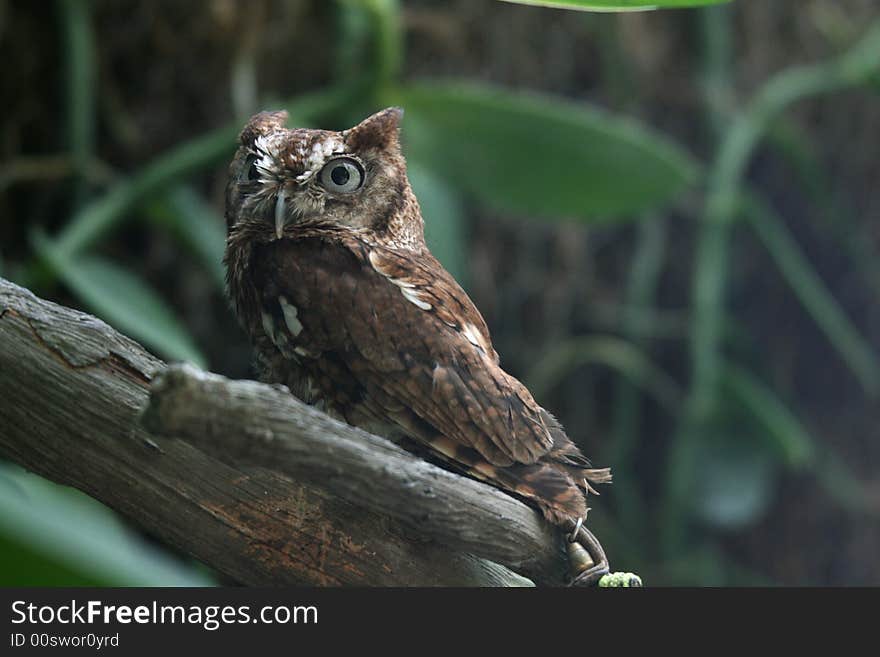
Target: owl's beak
x,y
281,214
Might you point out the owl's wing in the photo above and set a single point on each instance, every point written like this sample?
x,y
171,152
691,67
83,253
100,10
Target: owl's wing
x,y
401,326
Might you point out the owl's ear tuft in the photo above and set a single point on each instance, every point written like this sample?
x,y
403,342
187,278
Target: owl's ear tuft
x,y
379,131
262,124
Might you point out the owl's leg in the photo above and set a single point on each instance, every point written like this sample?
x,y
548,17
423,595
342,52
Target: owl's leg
x,y
586,557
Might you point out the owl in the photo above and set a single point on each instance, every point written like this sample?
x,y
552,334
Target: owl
x,y
329,274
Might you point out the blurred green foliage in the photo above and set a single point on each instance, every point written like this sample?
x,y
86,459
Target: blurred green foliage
x,y
735,433
55,536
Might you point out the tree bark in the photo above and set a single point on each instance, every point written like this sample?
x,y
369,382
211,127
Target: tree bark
x,y
243,476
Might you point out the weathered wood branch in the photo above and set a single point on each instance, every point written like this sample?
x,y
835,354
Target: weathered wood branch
x,y
240,474
245,422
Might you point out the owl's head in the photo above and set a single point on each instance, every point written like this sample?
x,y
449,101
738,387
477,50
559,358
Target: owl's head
x,y
281,178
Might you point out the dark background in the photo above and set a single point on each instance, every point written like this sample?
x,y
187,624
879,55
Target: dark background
x,y
761,471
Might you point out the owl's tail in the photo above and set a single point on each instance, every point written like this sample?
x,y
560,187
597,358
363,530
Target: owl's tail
x,y
560,481
557,484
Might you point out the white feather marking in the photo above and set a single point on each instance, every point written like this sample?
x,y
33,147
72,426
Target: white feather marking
x,y
375,259
269,326
434,375
266,162
475,337
280,213
261,143
318,154
413,295
290,316
399,282
408,289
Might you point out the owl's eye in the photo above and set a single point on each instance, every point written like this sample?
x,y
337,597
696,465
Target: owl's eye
x,y
342,175
249,171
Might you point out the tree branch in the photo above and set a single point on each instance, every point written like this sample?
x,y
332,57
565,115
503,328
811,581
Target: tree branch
x,y
243,476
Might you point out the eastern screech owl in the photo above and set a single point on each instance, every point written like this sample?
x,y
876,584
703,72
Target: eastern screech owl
x,y
329,273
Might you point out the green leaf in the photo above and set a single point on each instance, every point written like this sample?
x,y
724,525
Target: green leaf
x,y
56,536
780,425
115,206
196,225
617,5
444,218
124,301
541,155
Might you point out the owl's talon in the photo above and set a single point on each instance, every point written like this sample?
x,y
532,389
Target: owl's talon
x,y
586,557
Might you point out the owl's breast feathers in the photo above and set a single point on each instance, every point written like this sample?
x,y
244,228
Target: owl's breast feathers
x,y
390,338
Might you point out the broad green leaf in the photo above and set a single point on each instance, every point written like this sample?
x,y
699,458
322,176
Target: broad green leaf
x,y
115,206
541,155
617,5
444,219
124,301
56,536
780,425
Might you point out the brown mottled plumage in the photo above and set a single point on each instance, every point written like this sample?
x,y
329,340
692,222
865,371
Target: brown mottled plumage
x,y
328,271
